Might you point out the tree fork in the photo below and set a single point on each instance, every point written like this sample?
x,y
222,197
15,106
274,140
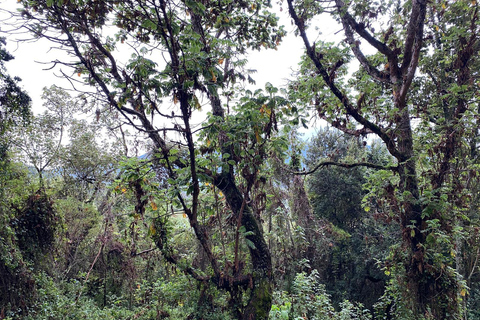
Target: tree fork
x,y
430,290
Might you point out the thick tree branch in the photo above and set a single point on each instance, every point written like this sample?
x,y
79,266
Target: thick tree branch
x,y
349,23
413,45
453,132
347,19
349,108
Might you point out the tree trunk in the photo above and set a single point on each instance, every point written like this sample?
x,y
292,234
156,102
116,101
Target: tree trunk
x,y
431,291
260,300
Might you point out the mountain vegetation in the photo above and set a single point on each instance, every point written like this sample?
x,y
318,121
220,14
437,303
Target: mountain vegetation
x,y
167,185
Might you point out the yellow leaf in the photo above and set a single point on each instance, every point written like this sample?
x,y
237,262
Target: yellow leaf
x,y
124,190
366,209
453,253
444,6
265,109
257,135
198,106
463,292
184,215
412,233
437,28
153,231
214,77
154,206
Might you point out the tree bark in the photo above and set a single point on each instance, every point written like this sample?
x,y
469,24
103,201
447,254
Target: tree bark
x,y
260,300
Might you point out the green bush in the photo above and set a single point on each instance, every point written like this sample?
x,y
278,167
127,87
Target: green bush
x,y
309,300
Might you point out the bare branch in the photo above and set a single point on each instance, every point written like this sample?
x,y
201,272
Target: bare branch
x,y
349,23
345,165
413,45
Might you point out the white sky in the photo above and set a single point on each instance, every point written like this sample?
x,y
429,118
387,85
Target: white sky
x,y
272,66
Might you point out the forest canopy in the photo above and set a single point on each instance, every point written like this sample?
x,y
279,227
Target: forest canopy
x,y
165,184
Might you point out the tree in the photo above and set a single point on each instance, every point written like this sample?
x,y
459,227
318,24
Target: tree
x,y
185,55
357,239
40,142
87,163
15,278
336,193
422,78
14,101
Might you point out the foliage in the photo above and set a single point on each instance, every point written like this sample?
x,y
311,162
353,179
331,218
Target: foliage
x,y
54,302
417,102
205,43
15,276
35,225
336,193
212,209
88,164
356,236
39,143
14,101
309,300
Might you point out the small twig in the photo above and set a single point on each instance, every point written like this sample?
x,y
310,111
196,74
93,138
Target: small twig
x,y
144,251
474,264
103,241
90,270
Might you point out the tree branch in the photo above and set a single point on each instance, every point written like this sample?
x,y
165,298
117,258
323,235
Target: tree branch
x,y
413,45
348,23
349,108
344,165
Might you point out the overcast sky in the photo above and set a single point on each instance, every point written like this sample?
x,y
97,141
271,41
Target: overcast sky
x,y
274,66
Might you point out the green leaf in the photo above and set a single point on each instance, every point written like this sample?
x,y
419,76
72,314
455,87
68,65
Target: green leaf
x,y
250,244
